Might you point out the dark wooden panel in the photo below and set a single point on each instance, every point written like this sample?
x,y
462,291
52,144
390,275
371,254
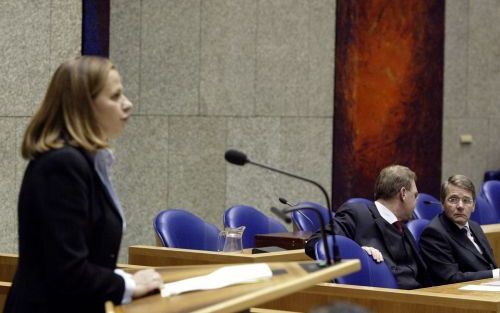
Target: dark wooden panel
x,y
388,93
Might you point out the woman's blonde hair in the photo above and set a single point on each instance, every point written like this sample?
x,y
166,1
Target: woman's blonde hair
x,y
66,114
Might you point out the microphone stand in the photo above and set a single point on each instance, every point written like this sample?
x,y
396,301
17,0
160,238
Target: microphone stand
x,y
282,214
239,158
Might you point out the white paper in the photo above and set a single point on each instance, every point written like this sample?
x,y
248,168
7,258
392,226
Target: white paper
x,y
222,277
480,288
492,283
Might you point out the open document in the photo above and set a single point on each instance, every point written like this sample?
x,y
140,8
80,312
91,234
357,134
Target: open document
x,y
222,277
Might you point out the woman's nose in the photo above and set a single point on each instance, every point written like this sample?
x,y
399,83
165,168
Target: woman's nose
x,y
127,104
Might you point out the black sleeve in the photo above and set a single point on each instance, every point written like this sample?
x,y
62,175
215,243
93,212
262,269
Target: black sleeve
x,y
438,255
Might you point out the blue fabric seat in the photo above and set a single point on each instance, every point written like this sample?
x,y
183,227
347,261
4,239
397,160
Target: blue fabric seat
x,y
371,274
178,228
358,200
308,220
491,175
484,212
490,190
427,207
416,227
255,223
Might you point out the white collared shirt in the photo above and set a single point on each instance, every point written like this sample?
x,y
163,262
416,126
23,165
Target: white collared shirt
x,y
386,213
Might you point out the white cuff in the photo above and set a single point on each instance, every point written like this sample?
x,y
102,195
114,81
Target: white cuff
x,y
496,273
129,285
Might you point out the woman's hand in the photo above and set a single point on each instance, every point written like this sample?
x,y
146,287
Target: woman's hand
x,y
146,281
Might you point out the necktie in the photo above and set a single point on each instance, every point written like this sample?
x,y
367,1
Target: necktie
x,y
399,226
471,238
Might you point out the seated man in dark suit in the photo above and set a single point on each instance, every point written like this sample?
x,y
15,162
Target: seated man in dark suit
x,y
379,227
454,247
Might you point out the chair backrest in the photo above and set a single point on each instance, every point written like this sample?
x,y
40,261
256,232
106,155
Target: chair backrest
x,y
178,228
371,274
491,192
484,212
255,222
308,220
416,227
491,175
427,206
357,200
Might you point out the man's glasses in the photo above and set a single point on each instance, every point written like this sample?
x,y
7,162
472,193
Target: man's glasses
x,y
456,200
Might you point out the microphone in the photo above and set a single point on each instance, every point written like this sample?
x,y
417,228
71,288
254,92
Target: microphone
x,y
236,157
432,202
282,215
285,201
239,158
290,204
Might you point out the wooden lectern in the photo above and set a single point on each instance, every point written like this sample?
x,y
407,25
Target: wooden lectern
x,y
288,277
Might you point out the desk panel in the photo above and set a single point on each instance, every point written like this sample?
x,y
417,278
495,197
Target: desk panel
x,y
492,232
163,256
289,240
441,299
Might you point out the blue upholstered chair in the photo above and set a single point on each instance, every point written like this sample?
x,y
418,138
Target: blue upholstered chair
x,y
255,222
416,227
308,220
371,274
484,212
492,175
357,200
178,228
491,192
427,206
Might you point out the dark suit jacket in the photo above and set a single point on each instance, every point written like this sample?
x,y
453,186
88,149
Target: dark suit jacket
x,y
363,223
69,237
451,256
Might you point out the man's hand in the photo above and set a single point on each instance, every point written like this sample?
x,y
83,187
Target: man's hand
x,y
376,255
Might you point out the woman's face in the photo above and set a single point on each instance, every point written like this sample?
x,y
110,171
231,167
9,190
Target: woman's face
x,y
112,109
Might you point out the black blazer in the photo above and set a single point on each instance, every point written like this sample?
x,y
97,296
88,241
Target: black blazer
x,y
363,223
69,237
451,256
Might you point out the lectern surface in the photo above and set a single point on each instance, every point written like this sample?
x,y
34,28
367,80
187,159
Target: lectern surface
x,y
290,277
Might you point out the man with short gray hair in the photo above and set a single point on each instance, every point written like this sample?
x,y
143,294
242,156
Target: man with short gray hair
x,y
454,247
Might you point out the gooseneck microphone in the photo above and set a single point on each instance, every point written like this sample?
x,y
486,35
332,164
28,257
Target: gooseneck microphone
x,y
290,204
432,202
239,158
285,201
283,215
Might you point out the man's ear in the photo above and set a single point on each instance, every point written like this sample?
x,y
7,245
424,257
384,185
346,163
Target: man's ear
x,y
402,193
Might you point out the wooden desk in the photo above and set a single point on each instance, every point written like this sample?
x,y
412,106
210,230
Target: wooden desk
x,y
492,232
8,266
238,297
440,299
289,241
163,256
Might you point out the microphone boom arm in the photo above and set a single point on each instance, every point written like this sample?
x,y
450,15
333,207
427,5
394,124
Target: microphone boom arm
x,y
327,198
